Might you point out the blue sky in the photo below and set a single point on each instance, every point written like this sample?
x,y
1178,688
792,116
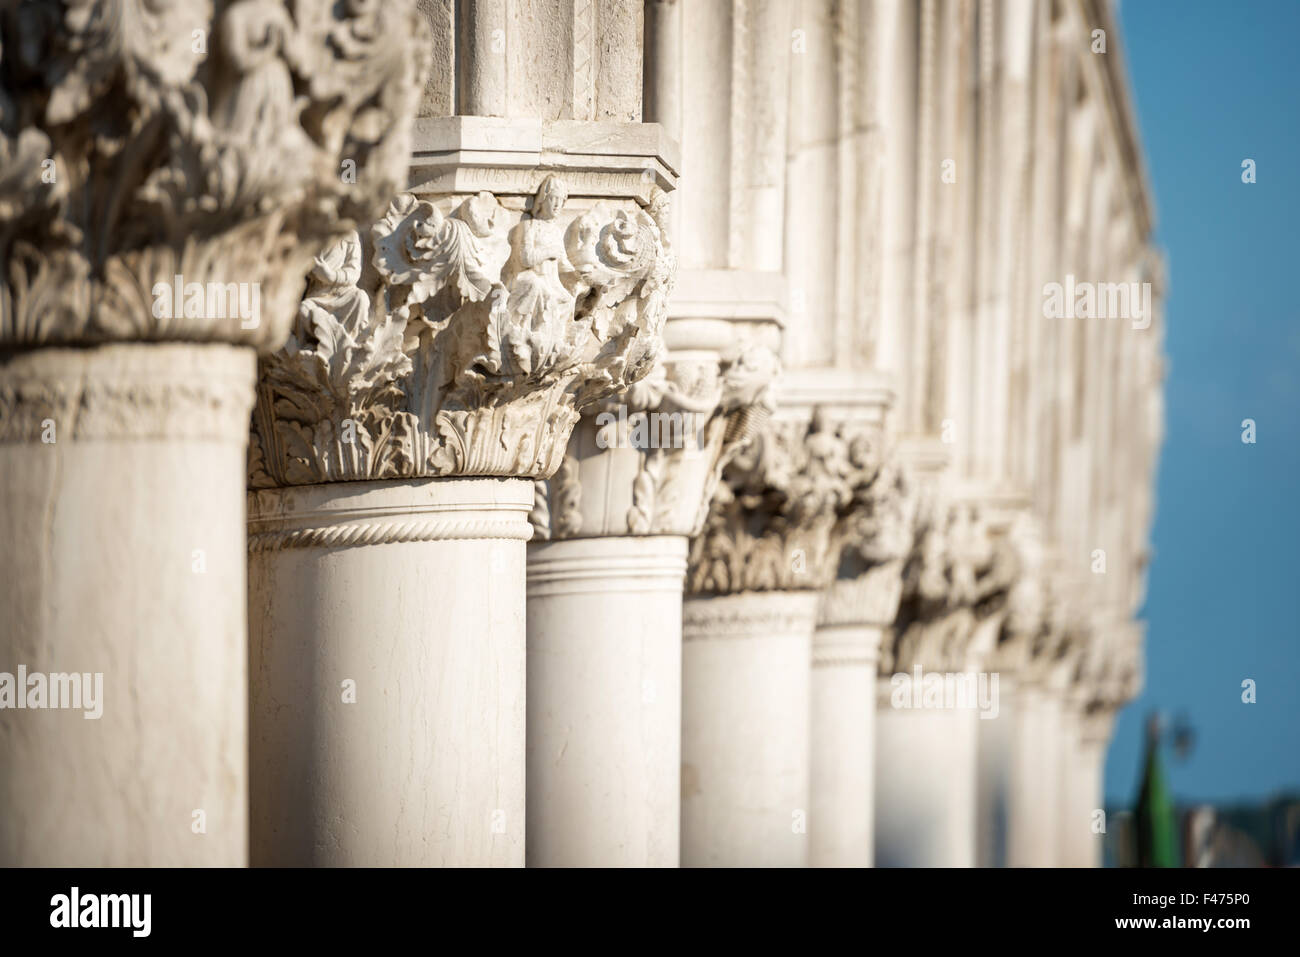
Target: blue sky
x,y
1216,83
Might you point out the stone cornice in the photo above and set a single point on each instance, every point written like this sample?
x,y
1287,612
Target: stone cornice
x,y
463,335
155,148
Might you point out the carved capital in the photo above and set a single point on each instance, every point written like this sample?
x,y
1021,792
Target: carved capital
x,y
463,335
648,461
171,166
1108,665
956,580
779,518
1034,641
876,537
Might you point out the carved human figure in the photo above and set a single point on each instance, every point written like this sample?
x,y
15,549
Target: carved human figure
x,y
333,290
538,299
261,104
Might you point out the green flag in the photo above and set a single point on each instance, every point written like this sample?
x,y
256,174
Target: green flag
x,y
1156,842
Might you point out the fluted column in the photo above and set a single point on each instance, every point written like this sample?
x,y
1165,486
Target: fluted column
x,y
770,544
160,202
441,359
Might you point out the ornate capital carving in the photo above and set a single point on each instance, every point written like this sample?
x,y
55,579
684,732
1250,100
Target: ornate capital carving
x,y
463,336
1108,666
955,581
779,517
171,166
877,537
1034,638
647,463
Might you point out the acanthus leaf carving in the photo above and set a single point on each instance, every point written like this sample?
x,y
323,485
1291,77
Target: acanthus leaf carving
x,y
146,140
778,518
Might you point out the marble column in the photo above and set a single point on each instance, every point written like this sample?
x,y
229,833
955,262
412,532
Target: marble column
x,y
1020,763
770,544
159,208
440,361
605,576
854,613
1083,835
932,695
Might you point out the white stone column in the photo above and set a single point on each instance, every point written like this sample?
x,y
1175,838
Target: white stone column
x,y
159,210
927,726
855,612
1020,779
843,740
121,474
396,446
605,580
746,687
387,672
772,541
1082,839
925,785
604,701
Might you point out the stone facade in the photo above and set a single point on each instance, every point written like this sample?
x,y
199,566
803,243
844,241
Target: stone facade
x,y
593,433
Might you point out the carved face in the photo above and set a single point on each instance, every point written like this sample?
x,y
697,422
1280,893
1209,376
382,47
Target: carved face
x,y
551,197
862,452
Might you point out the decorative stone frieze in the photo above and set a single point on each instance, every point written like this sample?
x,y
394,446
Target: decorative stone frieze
x,y
161,160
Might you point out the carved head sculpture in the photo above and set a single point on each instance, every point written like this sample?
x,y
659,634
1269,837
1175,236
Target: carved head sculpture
x,y
550,198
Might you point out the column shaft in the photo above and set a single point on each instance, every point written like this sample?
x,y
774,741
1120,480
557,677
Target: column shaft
x,y
746,664
122,483
925,786
604,701
843,736
387,670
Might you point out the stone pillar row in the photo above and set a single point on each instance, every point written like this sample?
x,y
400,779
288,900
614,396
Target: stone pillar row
x,y
167,173
393,503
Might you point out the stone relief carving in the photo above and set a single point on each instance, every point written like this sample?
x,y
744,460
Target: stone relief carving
x,y
777,519
146,143
468,347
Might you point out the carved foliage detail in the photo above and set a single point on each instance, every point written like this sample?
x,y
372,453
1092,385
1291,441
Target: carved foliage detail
x,y
956,577
779,517
468,347
142,140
